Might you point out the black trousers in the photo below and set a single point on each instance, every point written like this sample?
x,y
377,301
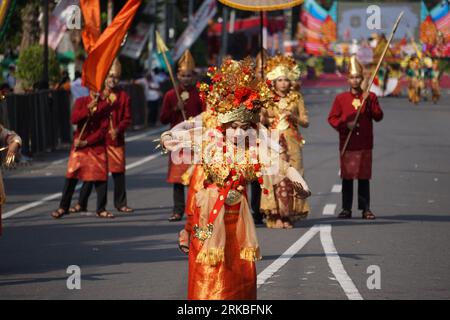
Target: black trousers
x,y
256,200
120,194
178,199
152,115
101,187
363,194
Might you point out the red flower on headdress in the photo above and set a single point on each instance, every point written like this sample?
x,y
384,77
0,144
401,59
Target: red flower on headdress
x,y
240,95
217,77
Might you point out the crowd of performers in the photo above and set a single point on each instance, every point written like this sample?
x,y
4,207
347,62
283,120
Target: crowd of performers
x,y
98,148
419,66
243,130
239,131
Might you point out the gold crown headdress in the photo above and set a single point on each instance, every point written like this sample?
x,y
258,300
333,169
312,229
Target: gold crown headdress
x,y
116,68
355,68
186,62
282,66
235,94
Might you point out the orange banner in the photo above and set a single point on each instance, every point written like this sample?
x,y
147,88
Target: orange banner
x,y
91,15
100,59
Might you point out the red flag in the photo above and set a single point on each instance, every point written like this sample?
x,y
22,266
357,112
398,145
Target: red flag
x,y
100,59
91,15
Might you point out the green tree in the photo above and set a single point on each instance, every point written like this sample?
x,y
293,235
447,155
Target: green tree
x,y
30,71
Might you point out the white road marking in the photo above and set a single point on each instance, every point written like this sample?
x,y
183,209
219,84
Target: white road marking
x,y
336,266
286,256
329,209
337,188
333,259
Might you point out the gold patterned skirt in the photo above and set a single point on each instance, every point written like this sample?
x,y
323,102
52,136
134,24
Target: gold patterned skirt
x,y
232,279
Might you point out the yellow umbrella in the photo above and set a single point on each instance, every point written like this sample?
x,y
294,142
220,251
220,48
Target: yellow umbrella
x,y
261,5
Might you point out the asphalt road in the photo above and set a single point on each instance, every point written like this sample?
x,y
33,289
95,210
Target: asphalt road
x,y
135,255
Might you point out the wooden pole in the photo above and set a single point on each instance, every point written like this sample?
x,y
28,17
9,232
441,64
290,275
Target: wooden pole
x,y
371,81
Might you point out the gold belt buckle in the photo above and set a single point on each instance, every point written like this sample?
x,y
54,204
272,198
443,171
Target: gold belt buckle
x,y
203,233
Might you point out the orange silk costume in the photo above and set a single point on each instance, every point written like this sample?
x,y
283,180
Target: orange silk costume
x,y
120,119
88,163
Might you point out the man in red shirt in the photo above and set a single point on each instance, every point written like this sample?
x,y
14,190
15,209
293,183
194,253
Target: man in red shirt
x,y
119,120
172,113
356,163
87,160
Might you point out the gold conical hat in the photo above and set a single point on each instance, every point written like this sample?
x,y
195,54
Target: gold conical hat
x,y
116,68
186,62
355,67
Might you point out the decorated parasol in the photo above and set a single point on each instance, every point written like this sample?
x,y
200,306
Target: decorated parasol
x,y
261,5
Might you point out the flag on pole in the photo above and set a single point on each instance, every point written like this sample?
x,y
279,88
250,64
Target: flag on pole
x,y
91,31
162,49
102,55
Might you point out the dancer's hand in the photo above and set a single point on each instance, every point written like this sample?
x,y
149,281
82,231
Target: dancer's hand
x,y
300,192
80,143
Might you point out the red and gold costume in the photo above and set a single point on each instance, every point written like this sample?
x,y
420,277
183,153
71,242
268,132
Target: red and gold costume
x,y
223,245
120,120
357,160
281,202
88,163
170,115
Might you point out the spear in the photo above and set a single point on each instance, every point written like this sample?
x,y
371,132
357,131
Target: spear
x,y
162,48
372,79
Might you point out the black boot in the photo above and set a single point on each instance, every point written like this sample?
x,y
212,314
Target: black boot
x,y
345,214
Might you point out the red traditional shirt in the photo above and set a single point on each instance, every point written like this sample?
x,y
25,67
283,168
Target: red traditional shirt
x,y
97,124
120,118
170,114
344,111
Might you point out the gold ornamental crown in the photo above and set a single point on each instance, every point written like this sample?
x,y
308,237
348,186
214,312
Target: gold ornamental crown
x,y
240,114
234,93
355,67
186,62
282,66
116,68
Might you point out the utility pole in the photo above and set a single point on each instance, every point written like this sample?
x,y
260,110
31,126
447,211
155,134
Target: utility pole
x,y
224,35
110,11
45,84
190,10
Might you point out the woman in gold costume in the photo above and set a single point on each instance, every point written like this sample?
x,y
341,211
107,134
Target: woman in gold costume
x,y
232,149
286,114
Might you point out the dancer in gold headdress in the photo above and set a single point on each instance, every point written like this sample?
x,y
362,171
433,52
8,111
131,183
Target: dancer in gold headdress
x,y
223,244
286,114
415,80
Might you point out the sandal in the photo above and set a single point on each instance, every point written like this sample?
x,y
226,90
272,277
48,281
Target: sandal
x,y
125,209
278,224
58,213
105,215
287,225
77,209
175,217
368,215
